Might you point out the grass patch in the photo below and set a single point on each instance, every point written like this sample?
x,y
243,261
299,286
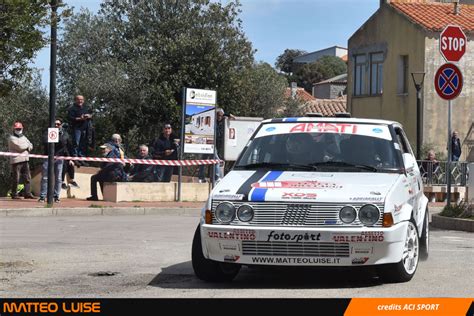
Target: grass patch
x,y
461,210
96,206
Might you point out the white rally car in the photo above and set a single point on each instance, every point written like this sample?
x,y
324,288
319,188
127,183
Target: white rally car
x,y
315,191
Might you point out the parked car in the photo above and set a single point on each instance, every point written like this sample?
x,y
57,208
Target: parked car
x,y
315,191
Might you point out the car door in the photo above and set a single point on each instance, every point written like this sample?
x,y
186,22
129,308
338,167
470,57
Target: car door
x,y
413,175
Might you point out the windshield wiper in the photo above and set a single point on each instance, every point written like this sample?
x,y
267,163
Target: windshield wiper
x,y
336,163
277,165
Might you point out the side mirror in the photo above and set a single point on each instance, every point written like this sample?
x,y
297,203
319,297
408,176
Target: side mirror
x,y
409,161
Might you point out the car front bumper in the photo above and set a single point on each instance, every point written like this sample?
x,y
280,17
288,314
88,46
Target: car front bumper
x,y
295,246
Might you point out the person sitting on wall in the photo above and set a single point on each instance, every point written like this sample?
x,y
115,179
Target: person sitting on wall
x,y
109,172
142,172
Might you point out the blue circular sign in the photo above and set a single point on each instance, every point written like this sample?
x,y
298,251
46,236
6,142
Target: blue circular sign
x,y
448,81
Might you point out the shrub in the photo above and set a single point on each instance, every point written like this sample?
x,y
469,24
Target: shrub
x,y
461,210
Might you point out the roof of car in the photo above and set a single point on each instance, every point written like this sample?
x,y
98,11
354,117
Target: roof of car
x,y
330,119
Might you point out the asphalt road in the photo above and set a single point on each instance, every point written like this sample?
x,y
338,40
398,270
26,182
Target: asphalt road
x,y
149,256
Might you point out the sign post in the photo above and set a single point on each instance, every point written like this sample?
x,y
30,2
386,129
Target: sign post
x,y
449,81
198,124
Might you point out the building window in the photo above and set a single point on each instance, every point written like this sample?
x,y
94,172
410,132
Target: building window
x,y
402,80
376,73
359,75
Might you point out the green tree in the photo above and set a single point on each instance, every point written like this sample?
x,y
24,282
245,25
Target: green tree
x,y
132,59
20,38
324,68
284,62
27,103
262,91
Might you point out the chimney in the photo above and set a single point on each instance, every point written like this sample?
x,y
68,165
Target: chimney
x,y
382,2
456,7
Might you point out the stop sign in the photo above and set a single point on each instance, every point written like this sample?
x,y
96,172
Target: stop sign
x,y
452,43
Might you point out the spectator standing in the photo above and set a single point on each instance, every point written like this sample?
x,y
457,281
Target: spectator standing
x,y
455,146
68,165
165,148
80,117
61,148
220,134
109,172
18,143
142,172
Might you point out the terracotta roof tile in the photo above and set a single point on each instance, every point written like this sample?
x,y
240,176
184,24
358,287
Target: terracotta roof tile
x,y
435,16
300,94
327,107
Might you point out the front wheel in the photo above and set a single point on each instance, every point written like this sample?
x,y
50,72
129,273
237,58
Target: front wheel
x,y
404,270
210,270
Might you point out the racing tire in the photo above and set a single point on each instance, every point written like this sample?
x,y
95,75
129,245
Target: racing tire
x,y
210,270
404,270
425,237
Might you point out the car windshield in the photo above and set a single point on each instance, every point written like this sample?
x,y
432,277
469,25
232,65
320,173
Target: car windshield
x,y
321,152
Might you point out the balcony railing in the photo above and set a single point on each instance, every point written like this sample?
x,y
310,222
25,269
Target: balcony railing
x,y
435,173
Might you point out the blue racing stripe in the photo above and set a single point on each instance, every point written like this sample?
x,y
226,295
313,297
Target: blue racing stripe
x,y
258,194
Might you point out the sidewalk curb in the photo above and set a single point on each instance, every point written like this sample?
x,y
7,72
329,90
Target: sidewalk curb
x,y
104,211
450,223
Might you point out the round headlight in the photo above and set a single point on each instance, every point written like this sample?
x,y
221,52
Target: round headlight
x,y
347,214
225,212
245,213
369,214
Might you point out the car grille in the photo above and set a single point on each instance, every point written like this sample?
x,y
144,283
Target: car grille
x,y
293,249
297,214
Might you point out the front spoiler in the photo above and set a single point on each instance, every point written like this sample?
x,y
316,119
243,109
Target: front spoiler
x,y
302,246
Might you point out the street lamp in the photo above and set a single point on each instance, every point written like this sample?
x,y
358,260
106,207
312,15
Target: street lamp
x,y
418,78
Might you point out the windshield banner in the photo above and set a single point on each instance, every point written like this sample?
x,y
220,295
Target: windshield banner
x,y
371,130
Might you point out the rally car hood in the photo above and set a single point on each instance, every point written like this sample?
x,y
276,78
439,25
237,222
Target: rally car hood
x,y
264,185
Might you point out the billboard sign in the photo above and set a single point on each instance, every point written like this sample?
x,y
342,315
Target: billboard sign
x,y
199,121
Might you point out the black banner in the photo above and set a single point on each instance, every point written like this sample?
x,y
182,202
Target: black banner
x,y
141,307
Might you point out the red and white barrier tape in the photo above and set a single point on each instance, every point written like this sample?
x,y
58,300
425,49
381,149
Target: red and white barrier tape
x,y
132,161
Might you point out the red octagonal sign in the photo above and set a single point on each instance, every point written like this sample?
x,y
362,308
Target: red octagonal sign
x,y
452,43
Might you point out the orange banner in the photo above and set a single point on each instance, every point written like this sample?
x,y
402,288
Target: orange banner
x,y
408,306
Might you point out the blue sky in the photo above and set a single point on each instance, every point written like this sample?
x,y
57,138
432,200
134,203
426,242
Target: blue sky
x,y
275,25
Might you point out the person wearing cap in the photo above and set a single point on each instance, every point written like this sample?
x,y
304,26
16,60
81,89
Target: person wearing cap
x,y
18,143
109,172
165,148
61,148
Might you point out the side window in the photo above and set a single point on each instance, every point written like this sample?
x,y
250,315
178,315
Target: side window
x,y
402,141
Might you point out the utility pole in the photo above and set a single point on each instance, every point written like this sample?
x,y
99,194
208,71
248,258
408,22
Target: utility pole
x,y
52,98
418,78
